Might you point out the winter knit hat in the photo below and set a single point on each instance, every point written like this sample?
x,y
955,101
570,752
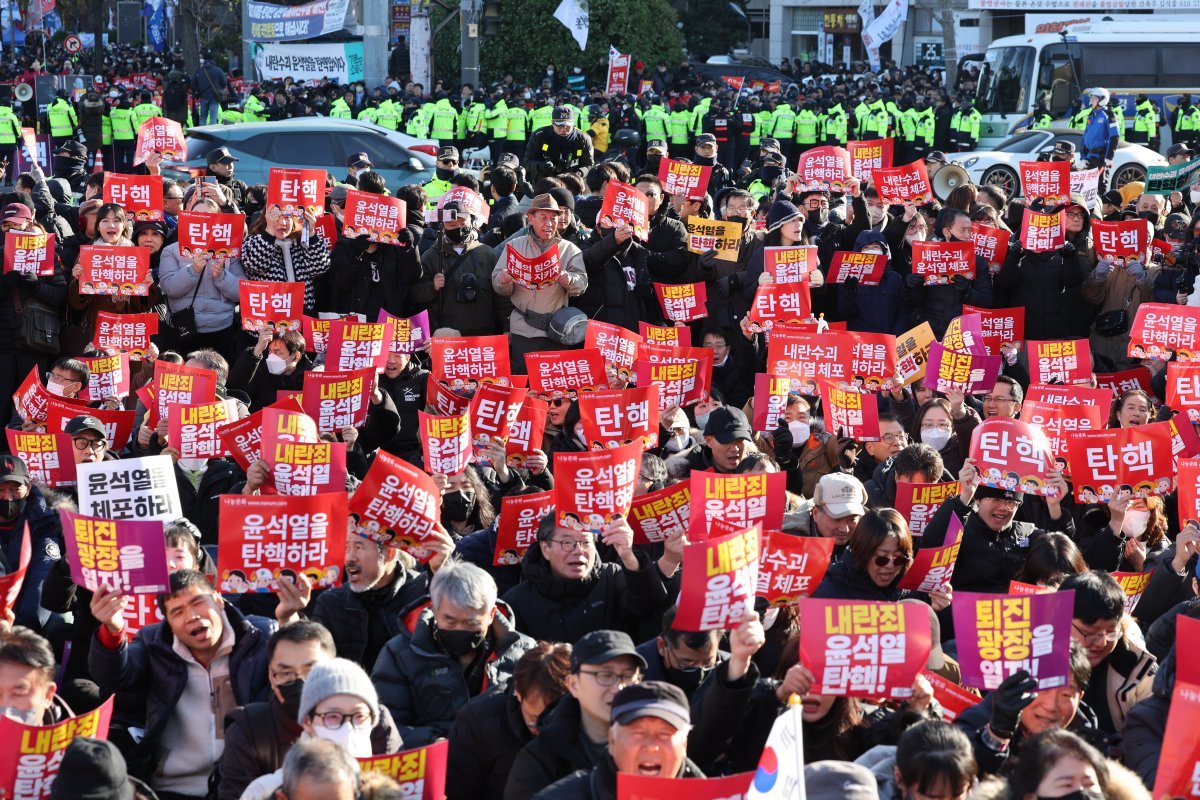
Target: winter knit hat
x,y
337,676
781,211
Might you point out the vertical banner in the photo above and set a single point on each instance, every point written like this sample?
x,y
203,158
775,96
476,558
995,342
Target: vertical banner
x,y
720,577
446,442
1001,634
618,73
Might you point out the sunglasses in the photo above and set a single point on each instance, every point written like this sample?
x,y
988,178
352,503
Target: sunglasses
x,y
895,561
560,401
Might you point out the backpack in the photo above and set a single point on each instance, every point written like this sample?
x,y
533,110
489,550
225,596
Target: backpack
x,y
175,95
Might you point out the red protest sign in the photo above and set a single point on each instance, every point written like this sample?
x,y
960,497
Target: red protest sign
x,y
159,136
31,755
440,399
192,430
1042,233
469,201
124,333
906,184
618,345
118,425
592,489
140,195
668,335
770,398
220,235
115,271
790,264
446,442
618,73
396,502
420,773
1161,330
291,191
1179,758
857,359
31,398
791,567
1067,361
918,502
10,584
1133,584
682,302
1049,181
1120,239
991,244
683,374
535,272
275,304
1117,383
868,156
358,345
859,649
1113,461
517,530
1183,389
658,515
720,576
645,787
953,699
867,268
1069,395
948,370
242,439
178,384
625,205
527,431
378,217
316,333
494,408
1012,455
933,567
823,169
1059,421
851,413
1002,328
686,180
464,362
47,456
938,262
29,253
1189,491
337,400
266,540
303,468
559,373
739,500
108,376
779,303
613,417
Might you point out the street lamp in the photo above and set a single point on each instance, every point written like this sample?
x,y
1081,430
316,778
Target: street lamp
x,y
741,12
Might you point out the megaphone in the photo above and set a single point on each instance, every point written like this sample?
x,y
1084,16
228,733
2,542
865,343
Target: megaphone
x,y
23,92
947,179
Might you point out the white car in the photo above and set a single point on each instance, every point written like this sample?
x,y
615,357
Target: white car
x,y
1001,167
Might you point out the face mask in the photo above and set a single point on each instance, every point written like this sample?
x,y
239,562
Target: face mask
x,y
444,173
769,175
935,438
1149,216
800,432
549,72
29,716
458,235
9,509
291,697
56,388
275,364
706,160
652,163
193,464
701,421
354,741
677,443
1135,523
818,216
1078,794
914,237
738,219
460,643
688,679
1195,195
458,505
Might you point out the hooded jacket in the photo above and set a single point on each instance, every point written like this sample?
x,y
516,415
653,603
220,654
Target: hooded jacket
x,y
874,309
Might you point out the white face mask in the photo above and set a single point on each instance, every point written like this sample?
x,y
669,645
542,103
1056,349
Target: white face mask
x,y
56,388
914,237
875,214
1135,523
701,421
355,741
678,443
275,364
935,438
800,432
193,464
29,716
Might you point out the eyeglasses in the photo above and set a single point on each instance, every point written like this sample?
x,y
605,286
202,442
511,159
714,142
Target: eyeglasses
x,y
448,163
172,197
736,211
717,346
1093,639
938,426
606,678
89,444
570,545
334,719
892,438
652,193
816,204
991,398
283,677
898,560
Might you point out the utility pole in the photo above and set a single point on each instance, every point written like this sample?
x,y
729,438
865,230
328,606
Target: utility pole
x,y
469,24
420,45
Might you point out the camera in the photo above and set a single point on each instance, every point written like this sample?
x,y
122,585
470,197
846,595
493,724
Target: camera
x,y
468,288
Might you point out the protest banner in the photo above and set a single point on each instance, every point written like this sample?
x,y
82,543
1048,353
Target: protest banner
x,y
161,137
565,373
991,244
850,412
1179,757
939,262
108,376
1172,178
31,755
668,335
918,502
337,400
952,698
863,360
613,417
1012,455
533,272
192,429
739,500
791,567
1003,328
279,23
779,303
302,468
790,264
866,268
682,302
396,502
1113,461
1120,382
293,191
591,489
1185,443
493,410
1183,389
868,156
861,649
681,179
271,304
625,205
933,567
528,429
771,394
1161,330
823,169
131,488
464,362
906,184
409,334
723,236
316,333
124,333
218,235
964,334
631,786
242,439
1048,181
658,515
912,353
47,456
517,530
178,384
1002,634
1067,361
267,540
1120,239
1058,422
1133,584
1042,233
964,372
357,345
127,555
117,271
446,442
29,253
378,217
618,345
421,772
10,584
1086,182
1066,394
720,576
468,202
683,374
118,425
140,195
618,72
440,399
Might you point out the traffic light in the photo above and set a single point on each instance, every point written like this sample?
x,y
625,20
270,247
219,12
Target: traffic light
x,y
491,17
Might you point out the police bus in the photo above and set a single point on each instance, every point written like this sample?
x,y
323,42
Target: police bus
x,y
1156,58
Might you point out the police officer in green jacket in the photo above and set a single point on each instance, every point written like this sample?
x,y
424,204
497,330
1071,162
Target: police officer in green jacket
x,y
1041,118
442,121
10,135
446,169
124,128
343,107
679,126
925,127
496,120
146,109
808,128
783,126
387,115
1145,121
61,118
542,116
837,124
517,132
254,109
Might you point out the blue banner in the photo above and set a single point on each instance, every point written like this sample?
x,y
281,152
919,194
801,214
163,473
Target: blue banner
x,y
274,23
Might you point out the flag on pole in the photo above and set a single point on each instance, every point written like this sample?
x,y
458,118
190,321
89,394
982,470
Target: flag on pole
x,y
780,774
575,17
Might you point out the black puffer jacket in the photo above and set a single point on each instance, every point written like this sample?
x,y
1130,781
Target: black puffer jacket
x,y
554,753
609,598
424,687
361,282
844,581
407,391
1146,724
1047,285
350,616
977,717
467,302
488,733
937,305
608,297
251,375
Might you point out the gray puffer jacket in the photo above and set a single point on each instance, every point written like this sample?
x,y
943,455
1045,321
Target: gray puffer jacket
x,y
216,299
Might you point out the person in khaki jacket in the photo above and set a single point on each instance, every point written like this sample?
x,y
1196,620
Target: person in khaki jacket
x,y
529,323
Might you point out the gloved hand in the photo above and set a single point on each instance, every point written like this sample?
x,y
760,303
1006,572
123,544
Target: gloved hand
x,y
1015,249
1135,269
11,280
1067,250
405,237
782,441
962,283
1010,698
548,167
360,243
848,451
708,259
914,280
728,285
851,284
1103,267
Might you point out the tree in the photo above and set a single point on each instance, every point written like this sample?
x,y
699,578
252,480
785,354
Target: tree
x,y
712,28
206,23
530,38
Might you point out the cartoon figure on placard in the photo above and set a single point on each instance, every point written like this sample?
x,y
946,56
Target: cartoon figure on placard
x,y
263,579
1107,493
1088,495
233,581
1143,490
1011,481
571,521
994,476
1164,486
515,460
481,441
330,577
313,574
873,385
595,524
412,546
285,575
1136,351
1125,492
1060,464
1031,484
509,558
